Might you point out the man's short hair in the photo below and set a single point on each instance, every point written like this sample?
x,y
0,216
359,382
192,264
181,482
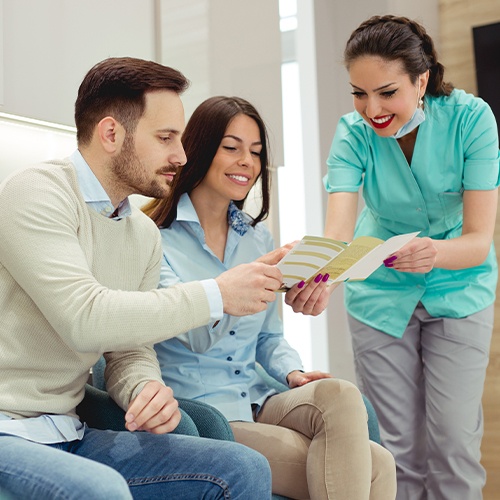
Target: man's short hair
x,y
117,87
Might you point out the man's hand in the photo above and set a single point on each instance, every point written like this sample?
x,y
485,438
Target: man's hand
x,y
154,410
298,378
274,256
247,288
310,299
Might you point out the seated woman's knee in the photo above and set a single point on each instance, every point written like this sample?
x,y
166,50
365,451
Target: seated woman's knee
x,y
336,393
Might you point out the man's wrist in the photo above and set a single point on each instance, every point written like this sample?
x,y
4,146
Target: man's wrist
x,y
214,298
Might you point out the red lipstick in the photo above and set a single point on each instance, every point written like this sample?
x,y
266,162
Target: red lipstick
x,y
384,124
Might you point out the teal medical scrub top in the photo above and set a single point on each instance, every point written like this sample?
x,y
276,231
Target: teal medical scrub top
x,y
456,150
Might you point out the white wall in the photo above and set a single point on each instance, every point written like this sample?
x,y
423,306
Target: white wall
x,y
49,45
227,47
23,144
233,48
1,51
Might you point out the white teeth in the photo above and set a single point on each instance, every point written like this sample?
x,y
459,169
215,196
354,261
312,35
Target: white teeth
x,y
382,120
238,178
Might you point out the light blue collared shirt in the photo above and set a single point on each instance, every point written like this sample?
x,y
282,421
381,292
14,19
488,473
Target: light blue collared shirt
x,y
92,191
216,363
43,429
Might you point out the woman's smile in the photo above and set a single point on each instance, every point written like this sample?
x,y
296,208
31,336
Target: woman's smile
x,y
382,121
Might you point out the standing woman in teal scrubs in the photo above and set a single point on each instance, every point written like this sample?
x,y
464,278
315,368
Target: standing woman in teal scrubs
x,y
427,157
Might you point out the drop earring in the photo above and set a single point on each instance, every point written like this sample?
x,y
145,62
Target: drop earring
x,y
420,102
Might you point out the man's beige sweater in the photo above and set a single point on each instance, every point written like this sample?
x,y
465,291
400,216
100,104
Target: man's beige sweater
x,y
73,285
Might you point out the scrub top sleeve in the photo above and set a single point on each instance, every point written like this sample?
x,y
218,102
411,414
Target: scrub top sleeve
x,y
481,167
347,159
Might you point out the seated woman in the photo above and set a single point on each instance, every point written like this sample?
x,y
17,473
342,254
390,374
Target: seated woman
x,y
315,436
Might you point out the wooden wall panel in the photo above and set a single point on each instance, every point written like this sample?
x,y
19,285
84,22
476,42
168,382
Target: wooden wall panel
x,y
457,18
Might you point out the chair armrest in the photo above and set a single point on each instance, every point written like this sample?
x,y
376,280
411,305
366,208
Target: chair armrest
x,y
270,381
210,422
373,427
99,411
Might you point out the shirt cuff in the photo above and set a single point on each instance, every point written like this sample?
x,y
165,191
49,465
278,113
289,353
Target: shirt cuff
x,y
214,300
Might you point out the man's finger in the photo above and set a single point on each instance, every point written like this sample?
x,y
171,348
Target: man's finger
x,y
273,257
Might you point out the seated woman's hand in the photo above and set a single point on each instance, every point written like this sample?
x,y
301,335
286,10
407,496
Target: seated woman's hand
x,y
310,299
298,378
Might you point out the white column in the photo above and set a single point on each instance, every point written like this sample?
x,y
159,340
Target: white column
x,y
307,46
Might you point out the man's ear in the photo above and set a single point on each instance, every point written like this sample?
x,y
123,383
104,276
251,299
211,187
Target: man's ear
x,y
111,134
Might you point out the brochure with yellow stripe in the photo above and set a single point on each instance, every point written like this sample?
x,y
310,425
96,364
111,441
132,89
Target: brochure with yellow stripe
x,y
315,255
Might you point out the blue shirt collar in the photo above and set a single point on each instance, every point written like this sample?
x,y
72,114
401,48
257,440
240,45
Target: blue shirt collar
x,y
92,191
238,220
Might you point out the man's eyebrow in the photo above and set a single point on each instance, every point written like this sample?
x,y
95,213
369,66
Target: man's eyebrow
x,y
236,138
374,90
169,131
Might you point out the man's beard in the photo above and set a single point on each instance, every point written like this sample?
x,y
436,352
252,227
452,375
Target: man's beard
x,y
130,172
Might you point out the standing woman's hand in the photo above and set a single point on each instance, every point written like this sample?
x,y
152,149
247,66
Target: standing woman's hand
x,y
417,256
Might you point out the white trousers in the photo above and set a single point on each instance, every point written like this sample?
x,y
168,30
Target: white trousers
x,y
426,389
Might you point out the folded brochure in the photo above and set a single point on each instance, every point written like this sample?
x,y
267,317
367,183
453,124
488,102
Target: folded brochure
x,y
343,261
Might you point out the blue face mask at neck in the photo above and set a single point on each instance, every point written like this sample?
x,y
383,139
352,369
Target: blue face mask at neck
x,y
417,118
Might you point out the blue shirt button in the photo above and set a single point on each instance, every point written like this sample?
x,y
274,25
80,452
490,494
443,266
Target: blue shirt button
x,y
232,332
243,394
229,358
237,372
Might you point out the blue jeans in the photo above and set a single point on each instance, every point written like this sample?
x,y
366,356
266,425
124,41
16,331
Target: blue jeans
x,y
112,465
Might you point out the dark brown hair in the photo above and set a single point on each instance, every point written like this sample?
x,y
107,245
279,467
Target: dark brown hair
x,y
399,39
201,140
116,87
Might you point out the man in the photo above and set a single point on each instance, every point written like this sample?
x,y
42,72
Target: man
x,y
79,269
